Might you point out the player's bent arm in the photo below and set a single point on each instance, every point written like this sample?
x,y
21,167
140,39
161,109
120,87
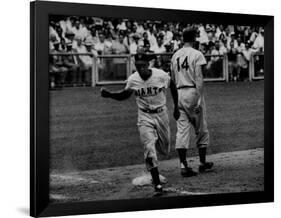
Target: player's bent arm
x,y
116,95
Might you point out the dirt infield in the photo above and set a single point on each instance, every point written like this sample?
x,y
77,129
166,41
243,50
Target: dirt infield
x,y
240,171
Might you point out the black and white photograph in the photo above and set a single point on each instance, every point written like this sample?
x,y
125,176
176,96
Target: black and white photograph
x,y
119,108
144,109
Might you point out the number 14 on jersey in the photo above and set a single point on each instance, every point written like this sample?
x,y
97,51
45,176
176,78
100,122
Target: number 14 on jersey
x,y
182,65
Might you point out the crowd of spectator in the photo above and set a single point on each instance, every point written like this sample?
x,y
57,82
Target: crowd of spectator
x,y
70,34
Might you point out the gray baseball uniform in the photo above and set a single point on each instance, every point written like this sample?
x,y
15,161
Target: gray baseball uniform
x,y
153,120
183,65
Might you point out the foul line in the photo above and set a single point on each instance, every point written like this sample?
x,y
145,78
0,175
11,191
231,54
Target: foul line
x,y
184,192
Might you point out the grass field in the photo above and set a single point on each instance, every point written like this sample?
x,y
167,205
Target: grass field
x,y
89,132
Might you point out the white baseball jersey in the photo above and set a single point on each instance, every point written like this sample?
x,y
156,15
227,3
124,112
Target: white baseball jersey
x,y
151,93
183,65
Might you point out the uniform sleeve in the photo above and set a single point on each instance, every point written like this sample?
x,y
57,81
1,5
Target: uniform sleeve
x,y
200,59
129,83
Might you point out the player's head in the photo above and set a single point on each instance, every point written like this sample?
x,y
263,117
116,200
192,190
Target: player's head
x,y
189,35
142,62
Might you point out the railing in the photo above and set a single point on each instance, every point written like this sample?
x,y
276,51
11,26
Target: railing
x,y
115,69
106,72
112,69
216,68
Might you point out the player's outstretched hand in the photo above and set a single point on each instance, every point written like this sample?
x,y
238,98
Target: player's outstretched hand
x,y
176,113
104,92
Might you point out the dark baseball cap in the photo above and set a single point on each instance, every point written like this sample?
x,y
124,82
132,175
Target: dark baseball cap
x,y
144,57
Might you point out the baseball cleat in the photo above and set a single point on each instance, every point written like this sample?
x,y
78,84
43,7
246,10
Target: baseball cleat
x,y
206,166
188,172
158,190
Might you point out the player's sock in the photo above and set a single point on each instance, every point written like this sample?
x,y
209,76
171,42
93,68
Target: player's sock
x,y
155,176
202,155
182,157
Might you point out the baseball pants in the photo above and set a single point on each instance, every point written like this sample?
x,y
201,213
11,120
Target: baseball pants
x,y
154,135
186,137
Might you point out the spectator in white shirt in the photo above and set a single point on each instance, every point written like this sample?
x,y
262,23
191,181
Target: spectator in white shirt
x,y
79,30
69,25
168,35
151,35
86,63
240,44
215,65
121,25
177,42
62,24
219,31
93,36
254,35
71,63
210,34
203,37
80,47
243,62
53,33
159,47
247,52
259,41
231,39
118,45
140,29
135,44
103,46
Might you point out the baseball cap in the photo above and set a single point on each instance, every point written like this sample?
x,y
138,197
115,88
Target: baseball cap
x,y
144,57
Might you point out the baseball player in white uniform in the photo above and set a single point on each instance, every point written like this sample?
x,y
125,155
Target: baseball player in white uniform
x,y
186,72
149,86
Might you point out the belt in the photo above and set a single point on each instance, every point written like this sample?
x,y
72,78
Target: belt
x,y
183,87
155,111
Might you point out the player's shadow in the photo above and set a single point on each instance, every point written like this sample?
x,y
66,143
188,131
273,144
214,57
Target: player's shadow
x,y
23,210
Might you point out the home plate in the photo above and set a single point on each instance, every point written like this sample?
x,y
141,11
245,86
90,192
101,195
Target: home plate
x,y
146,179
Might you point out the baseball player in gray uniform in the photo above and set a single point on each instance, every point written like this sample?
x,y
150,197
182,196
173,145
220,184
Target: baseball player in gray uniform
x,y
190,108
149,86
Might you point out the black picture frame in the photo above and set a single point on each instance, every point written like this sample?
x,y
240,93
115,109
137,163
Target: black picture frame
x,y
39,109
